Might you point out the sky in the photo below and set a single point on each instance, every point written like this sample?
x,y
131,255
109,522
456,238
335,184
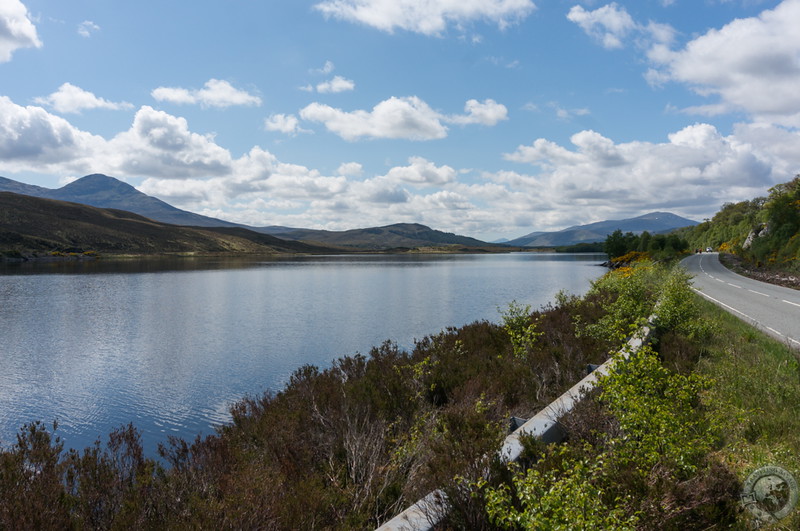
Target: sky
x,y
486,118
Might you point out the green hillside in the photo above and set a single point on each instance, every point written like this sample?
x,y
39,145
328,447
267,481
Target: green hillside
x,y
764,231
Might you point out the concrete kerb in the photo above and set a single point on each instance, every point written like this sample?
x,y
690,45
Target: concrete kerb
x,y
426,513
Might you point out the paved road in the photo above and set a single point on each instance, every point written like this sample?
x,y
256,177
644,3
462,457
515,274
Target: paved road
x,y
773,309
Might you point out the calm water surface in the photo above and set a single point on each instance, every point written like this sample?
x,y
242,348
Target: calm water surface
x,y
170,346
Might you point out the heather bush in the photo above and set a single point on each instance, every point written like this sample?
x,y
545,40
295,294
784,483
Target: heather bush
x,y
342,447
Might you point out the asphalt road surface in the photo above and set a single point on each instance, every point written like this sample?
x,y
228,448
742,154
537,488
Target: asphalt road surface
x,y
772,309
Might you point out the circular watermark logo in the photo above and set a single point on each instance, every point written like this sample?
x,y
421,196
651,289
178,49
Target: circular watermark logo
x,y
770,493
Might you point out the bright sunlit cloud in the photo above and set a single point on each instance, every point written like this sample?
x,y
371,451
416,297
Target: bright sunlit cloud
x,y
429,17
71,99
215,93
484,118
16,29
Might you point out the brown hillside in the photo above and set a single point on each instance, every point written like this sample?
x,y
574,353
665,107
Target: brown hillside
x,y
30,225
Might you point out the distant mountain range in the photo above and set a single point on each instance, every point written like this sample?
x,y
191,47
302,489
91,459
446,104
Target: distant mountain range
x,y
411,235
654,223
102,191
127,209
34,226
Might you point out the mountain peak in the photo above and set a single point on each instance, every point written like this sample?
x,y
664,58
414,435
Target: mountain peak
x,y
102,191
654,222
96,183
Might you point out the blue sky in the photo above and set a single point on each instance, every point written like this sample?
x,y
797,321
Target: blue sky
x,y
487,118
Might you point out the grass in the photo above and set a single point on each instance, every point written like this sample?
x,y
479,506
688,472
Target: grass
x,y
755,394
670,438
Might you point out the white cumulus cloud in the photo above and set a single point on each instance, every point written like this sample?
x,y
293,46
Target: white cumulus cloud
x,y
487,113
421,172
354,169
215,93
409,118
30,137
283,123
609,24
87,27
337,84
159,144
428,17
71,99
697,167
327,68
16,29
750,64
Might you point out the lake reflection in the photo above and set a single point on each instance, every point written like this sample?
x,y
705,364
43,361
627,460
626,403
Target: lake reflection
x,y
169,345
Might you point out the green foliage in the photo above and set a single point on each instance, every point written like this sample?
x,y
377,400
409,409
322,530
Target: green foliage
x,y
593,247
776,218
522,332
754,393
629,296
657,415
728,226
678,310
568,496
781,245
660,439
617,243
345,447
658,246
350,445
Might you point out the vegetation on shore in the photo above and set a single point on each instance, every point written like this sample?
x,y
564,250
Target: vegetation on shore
x,y
343,447
664,443
764,231
349,446
670,436
759,238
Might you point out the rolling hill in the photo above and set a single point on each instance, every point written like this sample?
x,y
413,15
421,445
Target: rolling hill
x,y
654,223
102,191
399,235
36,226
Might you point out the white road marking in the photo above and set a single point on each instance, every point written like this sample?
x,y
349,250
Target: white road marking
x,y
758,292
734,285
731,308
774,331
790,302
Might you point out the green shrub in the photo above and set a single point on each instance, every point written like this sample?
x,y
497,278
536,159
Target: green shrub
x,y
628,296
636,471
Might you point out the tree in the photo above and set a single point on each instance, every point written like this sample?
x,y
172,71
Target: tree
x,y
617,243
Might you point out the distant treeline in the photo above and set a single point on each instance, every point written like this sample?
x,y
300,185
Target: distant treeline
x,y
655,246
593,247
764,231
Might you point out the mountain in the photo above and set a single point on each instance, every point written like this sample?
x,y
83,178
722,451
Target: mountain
x,y
654,223
103,191
7,185
33,225
399,235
